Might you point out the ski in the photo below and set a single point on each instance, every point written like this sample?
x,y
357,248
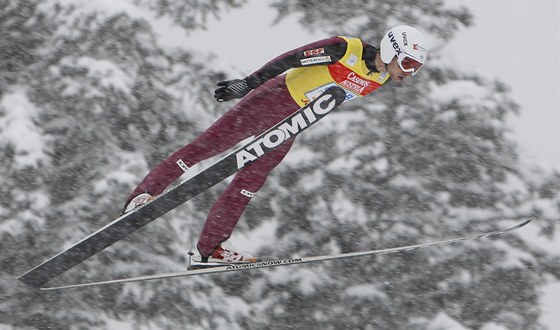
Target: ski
x,y
286,262
186,190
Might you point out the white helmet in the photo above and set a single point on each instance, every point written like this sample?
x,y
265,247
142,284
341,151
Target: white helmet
x,y
408,45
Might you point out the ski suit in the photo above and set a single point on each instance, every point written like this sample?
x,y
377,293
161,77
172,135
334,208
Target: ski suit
x,y
344,61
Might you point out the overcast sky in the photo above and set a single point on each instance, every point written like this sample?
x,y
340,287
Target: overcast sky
x,y
519,42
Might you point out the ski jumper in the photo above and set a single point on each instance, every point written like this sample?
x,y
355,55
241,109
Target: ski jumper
x,y
343,61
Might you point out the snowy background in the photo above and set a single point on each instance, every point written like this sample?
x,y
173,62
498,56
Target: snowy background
x,y
514,41
94,94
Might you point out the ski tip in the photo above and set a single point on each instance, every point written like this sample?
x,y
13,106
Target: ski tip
x,y
338,92
524,223
517,226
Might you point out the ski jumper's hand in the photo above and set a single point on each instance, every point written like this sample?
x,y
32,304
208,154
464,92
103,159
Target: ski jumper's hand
x,y
231,89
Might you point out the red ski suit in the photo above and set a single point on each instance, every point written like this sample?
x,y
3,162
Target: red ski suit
x,y
271,100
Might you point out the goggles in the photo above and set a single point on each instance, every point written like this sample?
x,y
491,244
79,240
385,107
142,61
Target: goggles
x,y
409,64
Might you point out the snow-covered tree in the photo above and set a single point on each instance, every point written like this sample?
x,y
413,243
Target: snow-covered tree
x,y
90,99
424,161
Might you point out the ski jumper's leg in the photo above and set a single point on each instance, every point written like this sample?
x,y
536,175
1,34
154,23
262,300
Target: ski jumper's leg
x,y
245,119
226,211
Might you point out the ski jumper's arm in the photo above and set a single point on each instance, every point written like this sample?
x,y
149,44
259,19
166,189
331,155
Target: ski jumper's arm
x,y
326,51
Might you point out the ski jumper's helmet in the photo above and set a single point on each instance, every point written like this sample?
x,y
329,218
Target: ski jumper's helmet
x,y
408,45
